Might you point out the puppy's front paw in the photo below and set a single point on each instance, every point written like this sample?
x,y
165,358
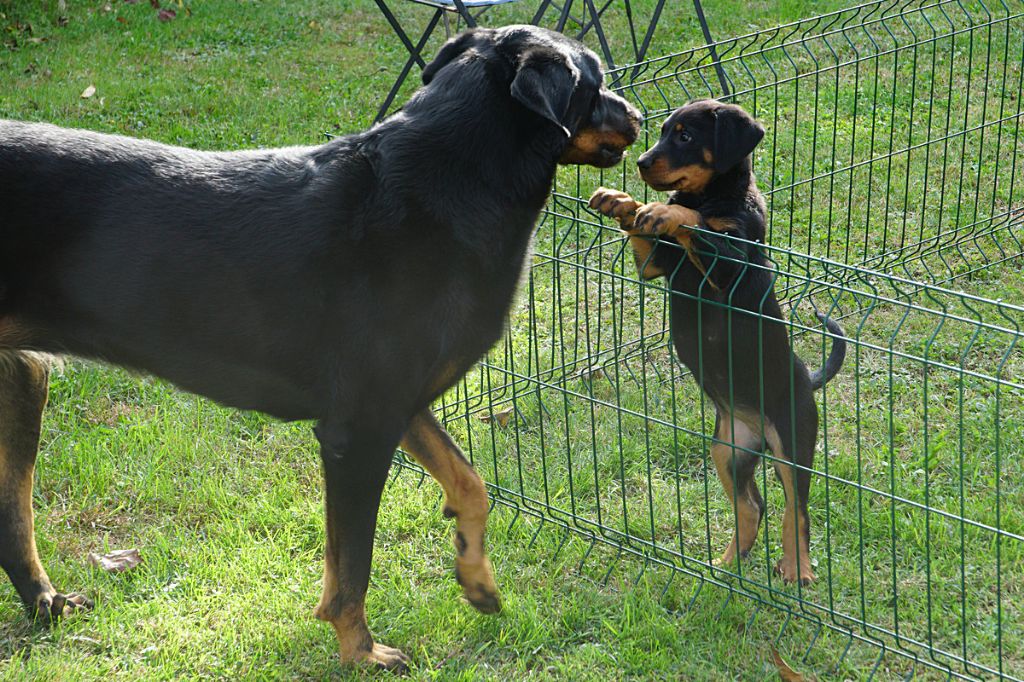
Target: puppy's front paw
x,y
614,204
657,219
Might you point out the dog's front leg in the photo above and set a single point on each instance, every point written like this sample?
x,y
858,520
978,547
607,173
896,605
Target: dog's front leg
x,y
355,461
465,499
622,207
672,221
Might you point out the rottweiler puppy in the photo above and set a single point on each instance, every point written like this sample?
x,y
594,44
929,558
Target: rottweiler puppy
x,y
726,323
349,284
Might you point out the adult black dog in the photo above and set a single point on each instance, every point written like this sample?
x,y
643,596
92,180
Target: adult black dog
x,y
349,283
726,322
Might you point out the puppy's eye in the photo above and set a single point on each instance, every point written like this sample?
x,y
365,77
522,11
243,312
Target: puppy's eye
x,y
684,136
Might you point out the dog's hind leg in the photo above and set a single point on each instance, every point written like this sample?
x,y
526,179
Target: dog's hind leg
x,y
795,475
355,467
465,499
735,453
23,384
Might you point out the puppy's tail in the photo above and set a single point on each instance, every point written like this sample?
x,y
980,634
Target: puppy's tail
x,y
835,358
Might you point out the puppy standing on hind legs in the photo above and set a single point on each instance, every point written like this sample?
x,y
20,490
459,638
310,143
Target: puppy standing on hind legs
x,y
727,325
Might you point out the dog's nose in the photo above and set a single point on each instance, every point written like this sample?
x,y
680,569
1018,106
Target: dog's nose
x,y
644,162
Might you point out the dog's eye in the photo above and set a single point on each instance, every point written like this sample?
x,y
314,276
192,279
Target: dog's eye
x,y
684,136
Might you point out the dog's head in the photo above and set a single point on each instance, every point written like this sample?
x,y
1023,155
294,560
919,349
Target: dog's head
x,y
558,82
698,141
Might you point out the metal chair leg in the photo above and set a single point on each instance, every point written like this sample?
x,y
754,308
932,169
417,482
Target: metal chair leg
x,y
414,58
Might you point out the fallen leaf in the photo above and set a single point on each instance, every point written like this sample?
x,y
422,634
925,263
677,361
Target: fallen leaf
x,y
116,561
166,14
155,4
122,20
88,92
315,26
502,417
786,674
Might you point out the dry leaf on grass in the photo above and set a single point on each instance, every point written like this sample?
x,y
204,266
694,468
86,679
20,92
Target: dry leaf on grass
x,y
501,417
166,14
786,674
88,92
116,561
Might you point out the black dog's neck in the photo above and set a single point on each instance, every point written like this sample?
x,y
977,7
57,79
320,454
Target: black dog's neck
x,y
734,185
522,159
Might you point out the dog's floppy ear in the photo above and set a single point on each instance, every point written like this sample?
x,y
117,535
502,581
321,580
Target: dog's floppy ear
x,y
544,84
450,51
736,135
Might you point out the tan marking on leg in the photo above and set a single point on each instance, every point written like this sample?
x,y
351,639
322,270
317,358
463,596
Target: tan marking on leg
x,y
643,252
465,499
796,557
23,390
674,221
355,643
720,224
748,515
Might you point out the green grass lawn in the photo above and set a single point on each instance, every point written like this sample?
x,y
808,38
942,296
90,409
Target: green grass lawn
x,y
226,506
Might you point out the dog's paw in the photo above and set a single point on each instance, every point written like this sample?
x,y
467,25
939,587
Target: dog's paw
x,y
51,607
790,574
614,204
386,658
657,219
478,586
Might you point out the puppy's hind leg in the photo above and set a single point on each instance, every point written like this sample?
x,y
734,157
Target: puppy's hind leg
x,y
794,457
465,499
23,384
735,456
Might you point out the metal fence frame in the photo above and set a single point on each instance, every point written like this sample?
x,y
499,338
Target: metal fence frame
x,y
891,169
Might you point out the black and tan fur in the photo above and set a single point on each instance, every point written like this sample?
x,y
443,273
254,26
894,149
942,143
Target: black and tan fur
x,y
727,326
349,284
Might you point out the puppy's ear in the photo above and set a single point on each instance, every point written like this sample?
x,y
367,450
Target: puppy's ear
x,y
450,51
544,84
736,135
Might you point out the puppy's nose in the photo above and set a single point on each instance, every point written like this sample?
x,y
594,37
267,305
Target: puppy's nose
x,y
645,161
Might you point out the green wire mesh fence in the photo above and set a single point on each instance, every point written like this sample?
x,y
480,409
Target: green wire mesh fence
x,y
892,170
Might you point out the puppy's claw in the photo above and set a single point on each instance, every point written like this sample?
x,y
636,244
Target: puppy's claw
x,y
657,219
788,571
614,204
